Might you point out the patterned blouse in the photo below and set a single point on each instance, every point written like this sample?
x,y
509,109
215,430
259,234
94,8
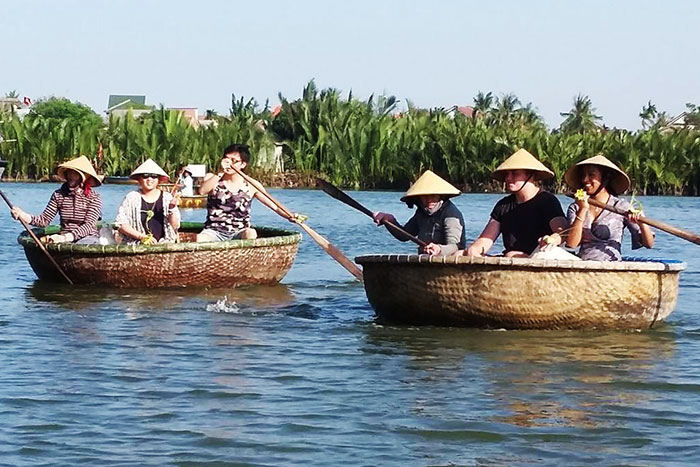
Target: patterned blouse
x,y
228,212
130,213
601,238
79,212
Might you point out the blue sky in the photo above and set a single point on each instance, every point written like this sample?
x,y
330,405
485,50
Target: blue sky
x,y
435,54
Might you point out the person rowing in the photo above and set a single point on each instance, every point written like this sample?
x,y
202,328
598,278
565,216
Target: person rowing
x,y
230,197
149,215
598,232
525,216
77,204
437,221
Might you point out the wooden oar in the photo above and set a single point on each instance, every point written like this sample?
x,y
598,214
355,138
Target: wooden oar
x,y
177,181
340,195
38,242
684,234
327,246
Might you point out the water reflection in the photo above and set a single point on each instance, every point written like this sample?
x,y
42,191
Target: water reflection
x,y
156,300
533,378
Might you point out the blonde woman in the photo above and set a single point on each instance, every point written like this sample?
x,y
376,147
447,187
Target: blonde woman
x,y
525,216
149,215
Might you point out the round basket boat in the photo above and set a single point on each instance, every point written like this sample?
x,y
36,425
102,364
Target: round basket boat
x,y
520,293
193,202
264,260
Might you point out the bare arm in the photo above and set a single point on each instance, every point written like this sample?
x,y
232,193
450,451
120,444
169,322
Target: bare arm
x,y
575,234
486,240
209,182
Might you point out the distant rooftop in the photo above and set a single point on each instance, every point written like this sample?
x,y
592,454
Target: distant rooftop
x,y
123,101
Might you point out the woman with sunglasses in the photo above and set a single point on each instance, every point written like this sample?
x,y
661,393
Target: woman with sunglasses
x,y
149,215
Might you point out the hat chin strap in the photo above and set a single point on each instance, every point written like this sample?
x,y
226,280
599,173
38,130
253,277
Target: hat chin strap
x,y
532,174
605,180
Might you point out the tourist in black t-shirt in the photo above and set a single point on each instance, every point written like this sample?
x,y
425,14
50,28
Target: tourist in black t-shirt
x,y
526,215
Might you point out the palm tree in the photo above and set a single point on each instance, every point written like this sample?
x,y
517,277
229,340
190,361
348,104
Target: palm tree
x,y
483,103
648,115
506,108
581,118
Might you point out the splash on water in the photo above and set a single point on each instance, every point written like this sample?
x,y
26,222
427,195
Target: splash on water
x,y
223,306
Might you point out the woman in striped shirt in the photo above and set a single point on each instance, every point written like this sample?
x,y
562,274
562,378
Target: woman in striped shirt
x,y
79,207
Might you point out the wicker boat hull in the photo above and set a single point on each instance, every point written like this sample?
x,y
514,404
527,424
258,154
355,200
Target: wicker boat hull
x,y
222,264
193,202
515,293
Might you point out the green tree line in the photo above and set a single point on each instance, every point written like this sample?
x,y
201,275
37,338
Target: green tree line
x,y
359,143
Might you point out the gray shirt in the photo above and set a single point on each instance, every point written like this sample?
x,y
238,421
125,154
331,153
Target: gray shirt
x,y
445,227
601,238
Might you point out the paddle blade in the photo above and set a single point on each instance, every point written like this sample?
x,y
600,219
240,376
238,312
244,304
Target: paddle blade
x,y
338,194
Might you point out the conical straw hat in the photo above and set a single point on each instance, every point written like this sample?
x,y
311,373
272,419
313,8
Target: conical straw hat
x,y
150,167
81,165
620,181
522,160
430,184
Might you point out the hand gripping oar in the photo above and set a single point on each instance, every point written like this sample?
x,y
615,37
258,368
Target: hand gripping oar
x,y
38,242
328,247
684,234
338,194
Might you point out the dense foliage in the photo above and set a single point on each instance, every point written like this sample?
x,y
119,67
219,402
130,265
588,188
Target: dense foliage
x,y
363,144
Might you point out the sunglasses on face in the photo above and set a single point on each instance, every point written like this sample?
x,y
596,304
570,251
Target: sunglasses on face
x,y
145,176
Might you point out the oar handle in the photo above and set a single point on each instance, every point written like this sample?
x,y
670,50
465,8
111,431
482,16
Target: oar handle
x,y
327,246
684,234
37,240
177,180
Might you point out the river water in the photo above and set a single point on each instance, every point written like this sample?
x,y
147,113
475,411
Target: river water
x,y
301,373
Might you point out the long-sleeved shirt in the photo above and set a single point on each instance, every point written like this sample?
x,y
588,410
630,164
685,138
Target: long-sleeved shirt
x,y
79,212
445,227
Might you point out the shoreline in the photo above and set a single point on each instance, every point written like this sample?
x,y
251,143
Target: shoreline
x,y
293,181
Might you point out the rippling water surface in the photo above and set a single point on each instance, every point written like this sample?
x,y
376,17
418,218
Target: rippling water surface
x,y
300,373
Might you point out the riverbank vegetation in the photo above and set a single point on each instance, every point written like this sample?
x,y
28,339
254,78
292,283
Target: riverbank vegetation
x,y
358,143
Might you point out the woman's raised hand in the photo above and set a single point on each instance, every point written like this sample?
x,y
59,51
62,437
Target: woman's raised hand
x,y
227,165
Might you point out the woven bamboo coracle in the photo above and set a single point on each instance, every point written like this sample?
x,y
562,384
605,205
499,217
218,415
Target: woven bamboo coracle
x,y
264,260
192,202
520,293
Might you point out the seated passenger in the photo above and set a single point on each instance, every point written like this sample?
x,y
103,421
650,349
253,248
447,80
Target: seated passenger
x,y
149,215
437,221
599,232
77,204
230,197
187,183
526,215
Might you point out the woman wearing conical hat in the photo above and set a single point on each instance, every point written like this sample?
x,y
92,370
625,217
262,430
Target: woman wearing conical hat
x,y
599,232
437,220
149,215
526,215
77,204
